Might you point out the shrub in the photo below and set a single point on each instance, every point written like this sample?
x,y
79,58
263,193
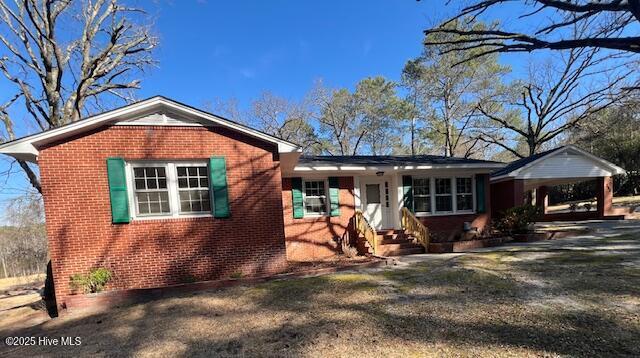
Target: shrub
x,y
348,250
517,220
92,282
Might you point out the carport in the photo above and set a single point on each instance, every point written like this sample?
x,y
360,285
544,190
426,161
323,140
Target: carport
x,y
529,179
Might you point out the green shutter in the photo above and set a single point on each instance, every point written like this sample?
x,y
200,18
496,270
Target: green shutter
x,y
407,191
118,191
334,196
296,195
218,172
480,194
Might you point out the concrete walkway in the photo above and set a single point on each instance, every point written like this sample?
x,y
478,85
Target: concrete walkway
x,y
602,235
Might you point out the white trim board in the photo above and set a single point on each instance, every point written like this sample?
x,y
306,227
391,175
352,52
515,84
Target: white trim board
x,y
27,148
599,167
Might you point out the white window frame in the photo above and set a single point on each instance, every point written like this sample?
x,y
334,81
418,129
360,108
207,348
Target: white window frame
x,y
451,194
454,204
428,196
326,198
172,187
473,195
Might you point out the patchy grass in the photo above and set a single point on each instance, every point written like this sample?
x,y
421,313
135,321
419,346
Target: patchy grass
x,y
31,280
20,301
529,301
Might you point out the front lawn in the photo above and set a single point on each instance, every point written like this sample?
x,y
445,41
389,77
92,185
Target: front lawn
x,y
530,300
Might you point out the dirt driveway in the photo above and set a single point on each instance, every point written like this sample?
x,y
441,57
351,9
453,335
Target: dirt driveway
x,y
576,297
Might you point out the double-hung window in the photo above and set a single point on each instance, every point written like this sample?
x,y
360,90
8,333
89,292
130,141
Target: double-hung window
x,y
422,195
443,195
464,194
170,189
151,191
315,197
193,188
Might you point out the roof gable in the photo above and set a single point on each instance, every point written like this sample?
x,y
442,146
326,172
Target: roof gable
x,y
517,164
157,110
562,162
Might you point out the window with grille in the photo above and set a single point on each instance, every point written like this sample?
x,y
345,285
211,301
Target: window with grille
x,y
170,188
315,197
464,194
421,195
444,202
151,192
193,189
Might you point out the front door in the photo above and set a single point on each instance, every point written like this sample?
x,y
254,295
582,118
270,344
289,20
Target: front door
x,y
375,201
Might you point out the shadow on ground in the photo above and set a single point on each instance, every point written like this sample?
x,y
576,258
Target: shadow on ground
x,y
581,299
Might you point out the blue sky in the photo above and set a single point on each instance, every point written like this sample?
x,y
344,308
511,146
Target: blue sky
x,y
241,48
238,49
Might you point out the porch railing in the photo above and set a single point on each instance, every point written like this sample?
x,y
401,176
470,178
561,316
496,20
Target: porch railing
x,y
364,228
413,226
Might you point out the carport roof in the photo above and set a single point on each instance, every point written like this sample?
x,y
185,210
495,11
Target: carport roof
x,y
522,162
575,162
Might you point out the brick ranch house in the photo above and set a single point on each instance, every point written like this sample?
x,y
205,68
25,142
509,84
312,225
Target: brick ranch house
x,y
162,193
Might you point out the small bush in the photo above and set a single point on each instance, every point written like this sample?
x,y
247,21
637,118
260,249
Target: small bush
x,y
237,275
92,282
348,250
518,219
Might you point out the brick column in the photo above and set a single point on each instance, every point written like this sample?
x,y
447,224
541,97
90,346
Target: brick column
x,y
542,198
605,195
518,192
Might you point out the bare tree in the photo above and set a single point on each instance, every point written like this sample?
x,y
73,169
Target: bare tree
x,y
286,119
281,117
559,95
338,120
23,243
64,57
361,121
610,22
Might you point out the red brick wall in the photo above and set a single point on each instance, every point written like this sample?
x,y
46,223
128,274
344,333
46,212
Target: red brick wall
x,y
313,238
453,224
506,194
604,195
156,253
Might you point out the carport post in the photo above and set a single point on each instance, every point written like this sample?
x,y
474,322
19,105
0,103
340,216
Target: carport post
x,y
605,195
542,198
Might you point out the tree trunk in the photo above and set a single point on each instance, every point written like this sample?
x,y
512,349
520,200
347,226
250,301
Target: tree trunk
x,y
413,129
4,267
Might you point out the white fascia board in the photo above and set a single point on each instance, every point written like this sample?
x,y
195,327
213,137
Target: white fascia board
x,y
26,147
283,146
614,168
516,173
610,166
500,178
343,168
